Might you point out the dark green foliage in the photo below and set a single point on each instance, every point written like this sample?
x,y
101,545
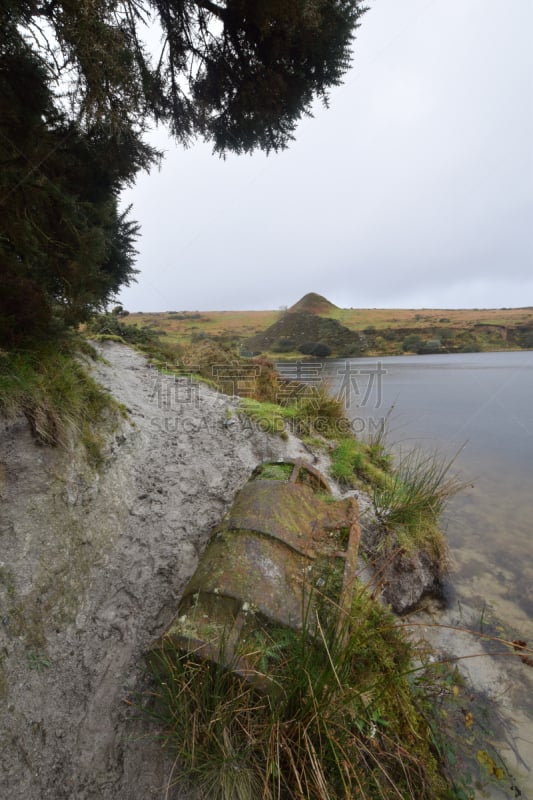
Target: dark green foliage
x,y
240,73
318,349
78,89
110,325
283,345
412,343
65,247
430,346
527,340
261,75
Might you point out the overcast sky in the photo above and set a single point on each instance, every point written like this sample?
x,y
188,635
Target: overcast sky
x,y
414,189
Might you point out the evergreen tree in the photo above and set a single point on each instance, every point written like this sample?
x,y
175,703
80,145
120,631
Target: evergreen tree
x,y
78,87
65,248
241,73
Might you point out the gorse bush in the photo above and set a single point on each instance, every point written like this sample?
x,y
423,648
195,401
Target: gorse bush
x,y
111,325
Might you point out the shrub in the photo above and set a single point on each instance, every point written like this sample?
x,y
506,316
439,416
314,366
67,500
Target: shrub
x,y
527,340
318,349
283,346
411,343
110,325
429,346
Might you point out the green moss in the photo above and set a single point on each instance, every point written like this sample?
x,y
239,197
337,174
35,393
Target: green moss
x,y
341,718
275,472
269,417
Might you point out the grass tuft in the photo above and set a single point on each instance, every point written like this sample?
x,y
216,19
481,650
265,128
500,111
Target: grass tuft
x,y
412,498
355,462
61,402
341,720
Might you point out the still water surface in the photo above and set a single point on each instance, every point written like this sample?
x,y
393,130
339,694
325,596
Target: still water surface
x,y
479,406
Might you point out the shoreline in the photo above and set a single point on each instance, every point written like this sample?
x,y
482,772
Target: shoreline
x,y
98,562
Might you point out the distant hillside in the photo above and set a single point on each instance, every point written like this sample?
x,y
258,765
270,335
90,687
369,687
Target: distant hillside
x,y
375,331
313,303
296,329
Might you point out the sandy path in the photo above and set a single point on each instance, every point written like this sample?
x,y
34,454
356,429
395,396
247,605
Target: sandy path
x,y
91,570
92,566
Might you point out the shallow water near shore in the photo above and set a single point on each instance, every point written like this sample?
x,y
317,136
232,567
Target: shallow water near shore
x,y
477,407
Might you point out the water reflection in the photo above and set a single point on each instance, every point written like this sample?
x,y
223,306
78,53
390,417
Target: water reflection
x,y
480,407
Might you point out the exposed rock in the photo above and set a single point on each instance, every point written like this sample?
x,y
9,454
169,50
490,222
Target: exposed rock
x,y
408,578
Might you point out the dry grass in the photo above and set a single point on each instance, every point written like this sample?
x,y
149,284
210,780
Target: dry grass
x,y
241,324
382,318
340,722
246,323
61,402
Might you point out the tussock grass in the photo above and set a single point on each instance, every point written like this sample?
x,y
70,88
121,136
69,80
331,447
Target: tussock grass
x,y
317,412
49,386
412,498
146,339
341,721
408,494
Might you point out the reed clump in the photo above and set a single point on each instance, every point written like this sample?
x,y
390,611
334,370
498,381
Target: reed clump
x,y
341,719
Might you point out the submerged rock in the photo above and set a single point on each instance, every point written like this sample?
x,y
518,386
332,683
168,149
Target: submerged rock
x,y
409,578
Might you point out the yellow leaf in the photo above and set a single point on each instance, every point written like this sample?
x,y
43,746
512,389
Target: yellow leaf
x,y
469,719
486,761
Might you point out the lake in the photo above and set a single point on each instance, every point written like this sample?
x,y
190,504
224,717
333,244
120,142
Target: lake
x,y
478,407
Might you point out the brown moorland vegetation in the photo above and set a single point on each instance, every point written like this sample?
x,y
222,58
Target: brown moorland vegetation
x,y
385,330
